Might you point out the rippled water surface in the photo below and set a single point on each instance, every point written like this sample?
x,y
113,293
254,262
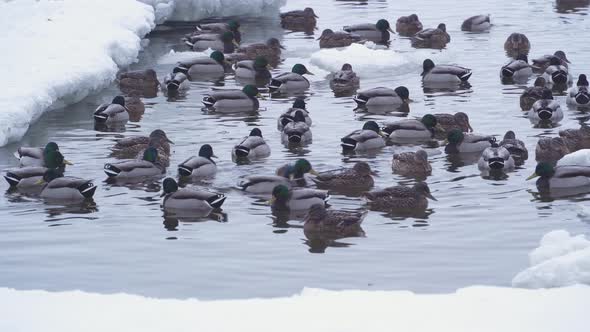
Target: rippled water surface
x,y
478,232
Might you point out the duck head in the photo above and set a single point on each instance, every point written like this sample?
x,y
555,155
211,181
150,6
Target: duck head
x,y
362,168
256,132
455,137
383,25
373,126
346,67
169,186
582,80
462,120
325,34
422,189
218,57
429,121
427,66
260,63
543,170
119,100
54,159
251,91
403,93
300,69
540,82
280,195
51,146
274,43
561,55
233,25
309,12
301,167
299,103
206,151
160,135
442,27
229,37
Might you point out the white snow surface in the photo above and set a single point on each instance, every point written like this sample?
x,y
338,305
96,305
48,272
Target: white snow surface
x,y
560,260
480,309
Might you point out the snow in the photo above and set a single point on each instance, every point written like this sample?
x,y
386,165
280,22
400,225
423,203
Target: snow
x,y
560,260
470,309
578,158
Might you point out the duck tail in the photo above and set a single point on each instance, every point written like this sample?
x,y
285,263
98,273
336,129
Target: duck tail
x,y
294,138
242,151
507,72
87,189
348,144
12,179
189,44
216,201
111,170
360,100
582,98
465,76
184,170
208,101
274,85
99,116
545,113
559,77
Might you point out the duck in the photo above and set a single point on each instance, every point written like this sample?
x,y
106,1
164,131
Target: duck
x,y
358,177
545,109
400,198
432,38
214,65
576,139
556,73
297,199
531,94
232,26
338,223
408,26
148,166
550,149
233,98
297,170
264,184
331,39
129,147
252,146
175,82
517,69
271,50
256,69
199,166
40,157
411,163
26,177
381,96
345,80
460,142
115,112
299,20
571,171
297,131
444,74
496,158
370,137
142,82
516,44
378,32
541,63
412,128
65,188
189,199
579,95
224,42
447,122
477,23
290,81
287,116
516,147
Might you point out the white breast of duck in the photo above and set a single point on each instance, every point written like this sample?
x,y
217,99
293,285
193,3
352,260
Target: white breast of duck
x,y
579,95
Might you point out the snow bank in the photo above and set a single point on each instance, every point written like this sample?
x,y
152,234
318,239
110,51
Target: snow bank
x,y
560,260
471,309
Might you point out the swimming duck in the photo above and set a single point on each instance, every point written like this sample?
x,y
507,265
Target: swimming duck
x,y
299,20
515,146
496,158
252,147
460,142
214,65
189,199
576,139
412,128
534,93
477,23
411,163
233,99
287,116
444,74
224,42
129,147
550,150
543,62
447,122
546,109
271,50
143,83
115,112
149,165
175,82
358,177
201,165
408,26
517,69
66,188
297,131
290,199
296,171
264,184
378,32
368,138
570,173
290,81
432,38
330,39
382,97
517,44
256,69
232,26
400,198
345,80
556,73
40,157
338,223
579,95
26,177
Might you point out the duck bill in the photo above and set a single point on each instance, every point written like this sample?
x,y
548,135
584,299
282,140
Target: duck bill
x,y
40,181
390,30
313,172
309,73
469,128
163,194
429,195
534,175
319,38
282,47
271,201
169,141
66,162
314,15
383,134
235,43
214,156
268,67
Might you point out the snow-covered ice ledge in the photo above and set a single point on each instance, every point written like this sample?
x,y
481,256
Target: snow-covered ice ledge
x,y
470,309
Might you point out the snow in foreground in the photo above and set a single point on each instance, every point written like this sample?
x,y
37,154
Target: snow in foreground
x,y
470,309
560,260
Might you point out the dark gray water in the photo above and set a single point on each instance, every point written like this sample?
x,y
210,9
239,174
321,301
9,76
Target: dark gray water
x,y
478,232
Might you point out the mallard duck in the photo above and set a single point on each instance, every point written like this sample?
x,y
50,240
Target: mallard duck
x,y
496,158
534,93
135,108
214,65
115,112
447,122
41,157
299,19
546,109
224,42
139,83
287,116
26,177
411,163
297,131
296,170
432,38
444,74
290,81
253,146
344,80
334,222
201,165
330,39
579,95
571,173
550,150
189,199
412,128
408,26
576,139
271,50
460,142
256,69
129,147
556,73
517,44
285,198
515,146
378,32
543,62
400,198
233,99
175,82
358,177
233,26
67,188
382,97
517,69
477,23
368,138
149,165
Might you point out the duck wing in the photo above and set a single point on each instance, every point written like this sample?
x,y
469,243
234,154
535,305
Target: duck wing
x,y
36,153
360,27
227,94
451,70
289,77
476,138
406,124
306,193
377,92
67,182
246,64
571,171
